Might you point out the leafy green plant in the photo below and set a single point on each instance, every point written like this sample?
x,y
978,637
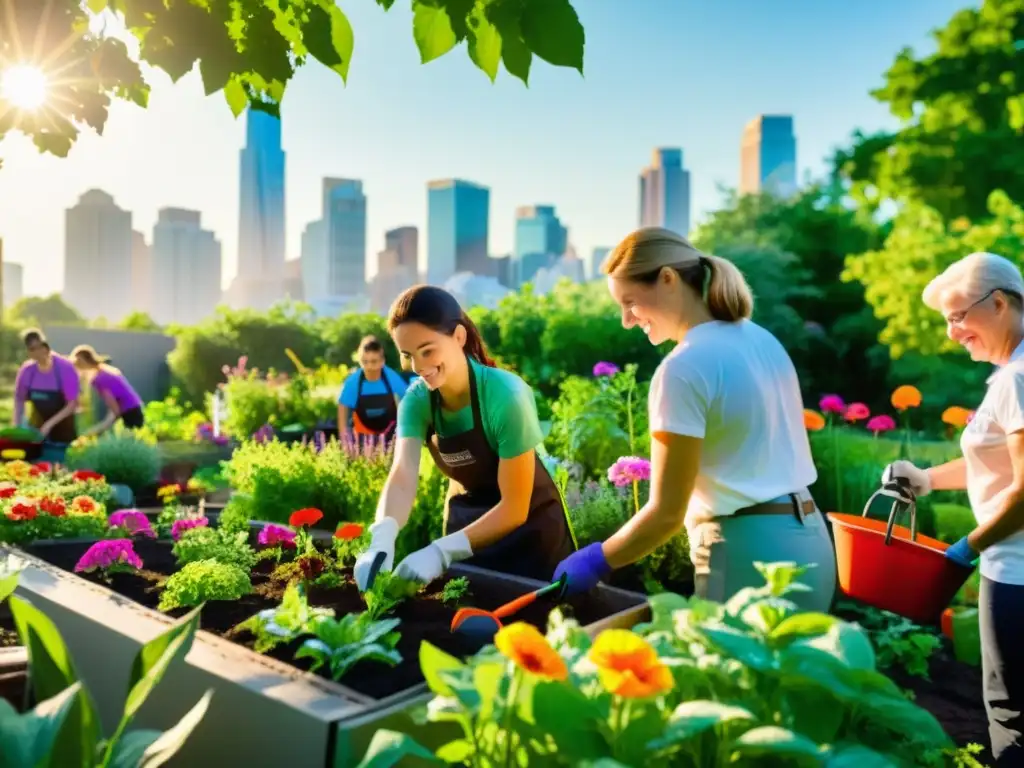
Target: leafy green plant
x,y
897,640
290,620
751,681
236,514
342,643
455,590
171,419
64,729
202,581
387,593
122,458
206,543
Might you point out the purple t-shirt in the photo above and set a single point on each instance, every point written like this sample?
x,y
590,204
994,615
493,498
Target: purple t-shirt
x,y
117,385
29,376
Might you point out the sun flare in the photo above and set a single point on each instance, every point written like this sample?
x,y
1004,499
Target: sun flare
x,y
24,86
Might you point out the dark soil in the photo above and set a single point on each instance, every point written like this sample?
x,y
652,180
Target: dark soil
x,y
8,634
423,618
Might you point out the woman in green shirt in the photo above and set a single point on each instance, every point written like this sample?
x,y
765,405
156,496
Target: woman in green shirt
x,y
479,423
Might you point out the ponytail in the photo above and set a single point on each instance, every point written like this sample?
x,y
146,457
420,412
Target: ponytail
x,y
475,342
728,295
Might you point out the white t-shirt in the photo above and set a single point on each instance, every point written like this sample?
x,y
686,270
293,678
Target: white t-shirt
x,y
989,468
734,385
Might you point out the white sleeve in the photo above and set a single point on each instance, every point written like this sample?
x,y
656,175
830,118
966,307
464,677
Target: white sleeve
x,y
1009,401
678,401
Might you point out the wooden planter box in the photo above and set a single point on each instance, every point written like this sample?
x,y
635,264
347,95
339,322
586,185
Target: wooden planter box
x,y
263,712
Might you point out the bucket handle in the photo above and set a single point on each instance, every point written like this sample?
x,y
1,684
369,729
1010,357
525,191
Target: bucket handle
x,y
900,492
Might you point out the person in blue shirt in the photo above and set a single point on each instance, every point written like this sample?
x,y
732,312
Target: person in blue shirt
x,y
371,393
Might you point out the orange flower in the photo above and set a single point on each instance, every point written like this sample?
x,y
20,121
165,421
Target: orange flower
x,y
529,649
906,397
304,517
813,421
348,531
83,505
956,416
628,666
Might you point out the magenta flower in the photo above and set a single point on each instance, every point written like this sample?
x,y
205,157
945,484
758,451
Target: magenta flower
x,y
134,522
276,536
881,423
112,554
178,527
856,412
629,469
832,404
604,368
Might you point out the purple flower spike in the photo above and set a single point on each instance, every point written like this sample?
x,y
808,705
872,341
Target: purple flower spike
x,y
629,469
107,554
178,527
604,368
133,521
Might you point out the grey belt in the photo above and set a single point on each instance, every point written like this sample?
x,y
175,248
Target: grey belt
x,y
789,504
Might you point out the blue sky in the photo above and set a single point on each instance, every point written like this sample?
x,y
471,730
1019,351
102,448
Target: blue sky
x,y
686,73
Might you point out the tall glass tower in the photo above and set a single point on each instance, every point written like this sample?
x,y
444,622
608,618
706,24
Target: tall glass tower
x,y
261,210
665,192
458,220
768,156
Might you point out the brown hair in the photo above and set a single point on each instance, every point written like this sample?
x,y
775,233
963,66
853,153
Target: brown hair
x,y
88,355
371,344
438,310
643,254
34,336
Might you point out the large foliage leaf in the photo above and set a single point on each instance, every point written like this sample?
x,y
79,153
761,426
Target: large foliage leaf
x,y
27,740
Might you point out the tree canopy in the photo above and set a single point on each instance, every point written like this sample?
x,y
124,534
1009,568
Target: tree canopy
x,y
247,49
39,311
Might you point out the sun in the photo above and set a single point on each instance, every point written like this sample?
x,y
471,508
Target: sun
x,y
24,86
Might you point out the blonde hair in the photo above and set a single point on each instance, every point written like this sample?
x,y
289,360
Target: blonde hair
x,y
91,358
643,254
975,276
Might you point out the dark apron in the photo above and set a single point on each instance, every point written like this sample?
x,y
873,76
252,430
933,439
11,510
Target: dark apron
x,y
376,413
534,549
47,403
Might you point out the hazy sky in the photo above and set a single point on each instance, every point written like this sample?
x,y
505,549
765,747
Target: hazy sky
x,y
686,73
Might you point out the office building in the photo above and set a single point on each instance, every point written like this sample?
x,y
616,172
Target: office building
x,y
597,259
142,274
261,209
313,259
768,156
458,220
541,240
405,242
186,268
665,192
98,257
344,211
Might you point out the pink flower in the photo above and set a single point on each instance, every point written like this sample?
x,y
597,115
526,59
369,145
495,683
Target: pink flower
x,y
832,404
629,469
134,522
856,412
112,553
178,527
881,423
604,368
276,536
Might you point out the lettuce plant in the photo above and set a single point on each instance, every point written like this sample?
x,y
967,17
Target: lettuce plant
x,y
203,543
202,581
342,643
290,620
387,592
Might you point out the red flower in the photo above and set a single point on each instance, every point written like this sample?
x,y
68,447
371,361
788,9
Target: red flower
x,y
84,475
35,472
305,517
348,531
44,466
22,511
7,490
53,507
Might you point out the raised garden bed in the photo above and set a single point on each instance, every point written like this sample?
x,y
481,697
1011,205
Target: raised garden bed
x,y
289,716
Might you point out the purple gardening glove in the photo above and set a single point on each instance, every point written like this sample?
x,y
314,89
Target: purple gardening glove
x,y
583,569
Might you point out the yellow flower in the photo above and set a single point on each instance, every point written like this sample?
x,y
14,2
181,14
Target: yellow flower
x,y
529,649
167,491
628,666
906,397
12,453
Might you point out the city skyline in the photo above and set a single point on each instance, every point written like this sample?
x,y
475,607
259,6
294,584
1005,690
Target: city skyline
x,y
183,151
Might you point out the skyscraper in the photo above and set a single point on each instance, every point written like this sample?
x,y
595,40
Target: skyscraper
x,y
665,192
261,209
344,210
768,156
142,274
314,261
98,257
404,241
186,268
540,240
458,221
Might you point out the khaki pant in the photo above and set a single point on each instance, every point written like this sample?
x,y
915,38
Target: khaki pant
x,y
725,549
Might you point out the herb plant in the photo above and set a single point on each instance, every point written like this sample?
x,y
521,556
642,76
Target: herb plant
x,y
214,544
204,580
387,593
455,590
290,620
342,643
897,640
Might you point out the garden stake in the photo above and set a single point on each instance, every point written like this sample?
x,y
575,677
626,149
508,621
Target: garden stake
x,y
483,625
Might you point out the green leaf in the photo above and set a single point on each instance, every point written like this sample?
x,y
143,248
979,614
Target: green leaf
x,y
386,4
98,6
432,30
744,648
328,35
52,672
390,748
772,740
150,749
847,642
552,30
571,719
484,42
434,661
803,625
487,679
455,752
663,608
26,740
234,94
695,717
153,660
8,584
856,756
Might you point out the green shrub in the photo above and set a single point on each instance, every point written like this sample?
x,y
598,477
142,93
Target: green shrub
x,y
122,457
171,419
203,581
206,543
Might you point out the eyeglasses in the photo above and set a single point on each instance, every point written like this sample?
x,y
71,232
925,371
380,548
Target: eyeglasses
x,y
956,318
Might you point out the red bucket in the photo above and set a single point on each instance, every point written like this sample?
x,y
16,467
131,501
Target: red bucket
x,y
909,574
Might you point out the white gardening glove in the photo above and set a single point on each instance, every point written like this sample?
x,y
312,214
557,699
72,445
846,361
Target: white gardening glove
x,y
382,539
429,563
919,480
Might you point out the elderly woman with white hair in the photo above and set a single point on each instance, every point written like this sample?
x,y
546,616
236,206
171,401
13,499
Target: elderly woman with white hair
x,y
982,298
730,458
